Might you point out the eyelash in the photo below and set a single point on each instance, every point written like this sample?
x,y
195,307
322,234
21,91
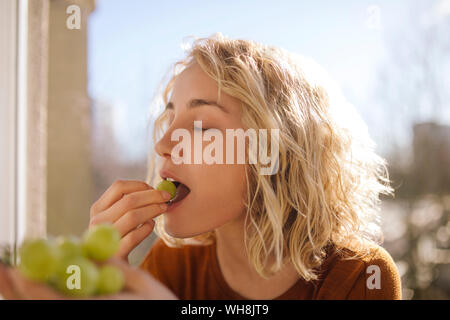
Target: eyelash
x,y
203,129
194,127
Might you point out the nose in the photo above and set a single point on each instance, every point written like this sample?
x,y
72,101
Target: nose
x,y
165,145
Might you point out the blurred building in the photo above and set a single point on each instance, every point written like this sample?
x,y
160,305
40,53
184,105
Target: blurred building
x,y
431,164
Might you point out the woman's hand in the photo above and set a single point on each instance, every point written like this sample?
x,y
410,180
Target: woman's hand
x,y
130,206
138,285
13,286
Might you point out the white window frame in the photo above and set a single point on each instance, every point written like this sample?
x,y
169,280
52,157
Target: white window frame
x,y
13,135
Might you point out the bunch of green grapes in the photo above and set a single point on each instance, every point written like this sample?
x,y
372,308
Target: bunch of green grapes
x,y
70,264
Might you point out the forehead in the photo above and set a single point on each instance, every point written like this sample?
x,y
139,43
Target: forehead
x,y
194,83
193,80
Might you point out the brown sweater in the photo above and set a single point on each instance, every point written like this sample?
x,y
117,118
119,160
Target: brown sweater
x,y
193,272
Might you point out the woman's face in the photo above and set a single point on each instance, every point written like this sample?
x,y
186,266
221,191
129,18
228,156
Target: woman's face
x,y
217,191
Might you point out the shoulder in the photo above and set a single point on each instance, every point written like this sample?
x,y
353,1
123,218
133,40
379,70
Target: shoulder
x,y
372,276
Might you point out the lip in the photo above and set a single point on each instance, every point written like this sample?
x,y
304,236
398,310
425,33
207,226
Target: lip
x,y
164,174
167,174
175,205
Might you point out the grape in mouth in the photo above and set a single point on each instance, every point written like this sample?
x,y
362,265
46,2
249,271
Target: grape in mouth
x,y
178,190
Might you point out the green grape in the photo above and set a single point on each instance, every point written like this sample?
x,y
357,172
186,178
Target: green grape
x,y
110,280
38,259
168,186
77,277
101,242
68,247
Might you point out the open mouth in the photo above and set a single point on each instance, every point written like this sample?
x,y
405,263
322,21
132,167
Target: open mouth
x,y
182,191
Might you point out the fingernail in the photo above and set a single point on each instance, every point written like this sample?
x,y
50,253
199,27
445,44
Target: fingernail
x,y
166,195
163,206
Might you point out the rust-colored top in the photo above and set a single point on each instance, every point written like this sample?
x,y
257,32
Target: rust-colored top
x,y
193,272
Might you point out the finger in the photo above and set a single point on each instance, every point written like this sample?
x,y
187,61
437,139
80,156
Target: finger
x,y
129,202
132,219
134,238
33,290
7,290
115,192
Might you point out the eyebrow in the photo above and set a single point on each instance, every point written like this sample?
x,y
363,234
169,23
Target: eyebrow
x,y
198,103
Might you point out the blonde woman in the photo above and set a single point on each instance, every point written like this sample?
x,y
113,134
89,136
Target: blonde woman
x,y
307,231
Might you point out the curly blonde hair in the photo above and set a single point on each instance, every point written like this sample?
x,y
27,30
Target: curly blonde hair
x,y
326,191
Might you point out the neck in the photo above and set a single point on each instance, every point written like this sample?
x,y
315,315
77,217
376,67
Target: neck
x,y
240,274
230,246
231,252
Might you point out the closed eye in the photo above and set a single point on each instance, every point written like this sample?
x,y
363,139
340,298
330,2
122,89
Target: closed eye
x,y
203,129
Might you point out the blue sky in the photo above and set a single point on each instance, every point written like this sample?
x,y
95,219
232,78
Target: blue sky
x,y
133,43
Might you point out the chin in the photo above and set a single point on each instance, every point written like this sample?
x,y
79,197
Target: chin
x,y
181,232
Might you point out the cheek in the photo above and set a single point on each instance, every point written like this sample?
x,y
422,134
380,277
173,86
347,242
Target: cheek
x,y
222,185
218,198
220,195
